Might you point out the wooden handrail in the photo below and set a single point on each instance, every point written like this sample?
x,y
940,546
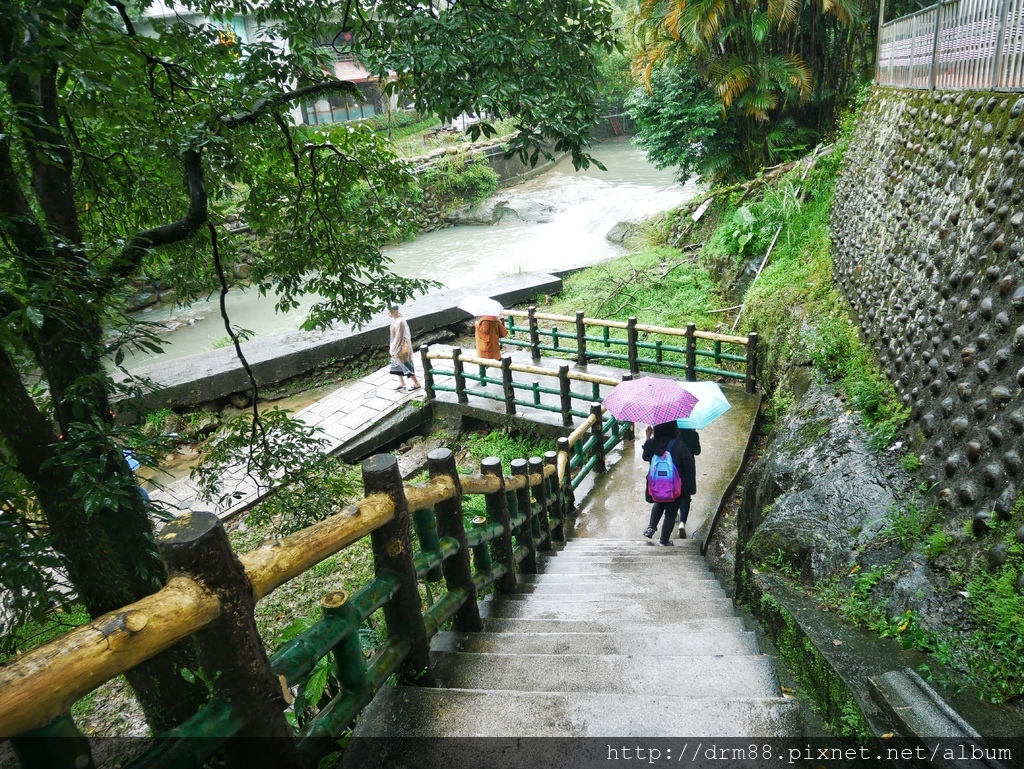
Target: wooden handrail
x,y
715,337
525,368
43,683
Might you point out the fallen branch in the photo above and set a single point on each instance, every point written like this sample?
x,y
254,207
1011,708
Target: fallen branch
x,y
724,309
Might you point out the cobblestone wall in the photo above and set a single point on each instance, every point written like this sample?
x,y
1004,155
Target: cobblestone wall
x,y
927,226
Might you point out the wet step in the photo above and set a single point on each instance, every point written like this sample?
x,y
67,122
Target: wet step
x,y
412,712
730,644
570,565
696,677
618,578
679,625
594,589
651,612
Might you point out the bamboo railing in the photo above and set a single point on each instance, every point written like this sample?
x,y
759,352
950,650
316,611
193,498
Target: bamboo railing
x,y
734,357
211,596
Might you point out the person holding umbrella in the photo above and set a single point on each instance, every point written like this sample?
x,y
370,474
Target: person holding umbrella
x,y
664,439
489,327
660,402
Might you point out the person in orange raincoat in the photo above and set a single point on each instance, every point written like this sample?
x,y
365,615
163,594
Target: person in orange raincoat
x,y
489,330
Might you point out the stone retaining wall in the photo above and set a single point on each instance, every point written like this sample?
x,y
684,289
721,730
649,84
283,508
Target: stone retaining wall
x,y
929,250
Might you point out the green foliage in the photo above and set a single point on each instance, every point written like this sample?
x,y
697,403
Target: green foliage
x,y
461,178
910,462
907,525
778,562
678,123
29,633
657,285
505,59
997,608
937,543
283,456
505,444
778,93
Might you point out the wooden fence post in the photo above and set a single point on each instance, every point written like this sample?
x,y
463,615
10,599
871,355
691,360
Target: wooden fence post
x,y
568,499
531,316
428,372
751,379
526,536
497,511
557,507
506,384
458,571
691,352
392,554
57,745
460,379
231,652
630,434
597,430
631,349
581,340
565,394
542,521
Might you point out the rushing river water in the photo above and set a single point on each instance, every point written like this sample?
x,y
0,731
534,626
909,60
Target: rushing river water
x,y
567,215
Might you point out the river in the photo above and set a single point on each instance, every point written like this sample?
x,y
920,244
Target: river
x,y
571,213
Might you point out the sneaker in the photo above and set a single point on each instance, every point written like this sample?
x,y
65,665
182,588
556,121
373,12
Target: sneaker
x,y
648,532
682,533
412,389
670,543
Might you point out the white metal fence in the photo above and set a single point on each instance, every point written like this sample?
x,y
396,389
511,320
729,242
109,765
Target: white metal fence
x,y
970,44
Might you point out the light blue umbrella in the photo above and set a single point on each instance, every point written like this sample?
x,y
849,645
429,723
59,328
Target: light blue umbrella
x,y
711,404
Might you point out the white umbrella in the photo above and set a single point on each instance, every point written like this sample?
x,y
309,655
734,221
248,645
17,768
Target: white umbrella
x,y
711,404
480,306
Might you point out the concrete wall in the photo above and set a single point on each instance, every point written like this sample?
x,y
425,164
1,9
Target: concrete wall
x,y
929,250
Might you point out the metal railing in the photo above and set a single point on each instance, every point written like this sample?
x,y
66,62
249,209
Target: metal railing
x,y
653,347
969,44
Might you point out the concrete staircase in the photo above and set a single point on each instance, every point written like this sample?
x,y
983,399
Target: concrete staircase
x,y
615,638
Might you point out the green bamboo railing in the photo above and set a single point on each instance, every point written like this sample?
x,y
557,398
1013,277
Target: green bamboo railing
x,y
211,600
722,349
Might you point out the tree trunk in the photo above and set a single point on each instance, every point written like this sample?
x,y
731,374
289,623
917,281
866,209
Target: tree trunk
x,y
110,552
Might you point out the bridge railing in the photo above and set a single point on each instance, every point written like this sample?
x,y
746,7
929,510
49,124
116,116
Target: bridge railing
x,y
644,345
977,44
584,449
211,595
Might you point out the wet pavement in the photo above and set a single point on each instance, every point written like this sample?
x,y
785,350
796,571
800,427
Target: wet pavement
x,y
613,506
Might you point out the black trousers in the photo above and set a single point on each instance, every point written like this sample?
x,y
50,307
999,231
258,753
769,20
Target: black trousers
x,y
669,510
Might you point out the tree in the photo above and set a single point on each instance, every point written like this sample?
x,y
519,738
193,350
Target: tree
x,y
679,123
125,142
779,69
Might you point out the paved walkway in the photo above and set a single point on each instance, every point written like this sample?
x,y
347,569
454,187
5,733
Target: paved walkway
x,y
613,504
342,415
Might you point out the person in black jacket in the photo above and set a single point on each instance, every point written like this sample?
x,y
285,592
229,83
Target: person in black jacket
x,y
661,438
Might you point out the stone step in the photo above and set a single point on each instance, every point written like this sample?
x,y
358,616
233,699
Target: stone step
x,y
693,677
628,545
617,578
419,712
569,565
613,626
585,590
654,589
739,643
649,613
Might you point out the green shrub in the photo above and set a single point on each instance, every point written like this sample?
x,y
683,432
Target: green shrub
x,y
460,178
938,542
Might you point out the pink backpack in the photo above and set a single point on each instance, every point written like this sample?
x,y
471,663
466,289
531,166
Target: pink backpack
x,y
664,483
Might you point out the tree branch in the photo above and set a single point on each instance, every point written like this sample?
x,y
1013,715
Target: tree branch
x,y
269,102
184,228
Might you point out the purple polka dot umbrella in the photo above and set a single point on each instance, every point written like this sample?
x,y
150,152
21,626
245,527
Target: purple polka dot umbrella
x,y
649,400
